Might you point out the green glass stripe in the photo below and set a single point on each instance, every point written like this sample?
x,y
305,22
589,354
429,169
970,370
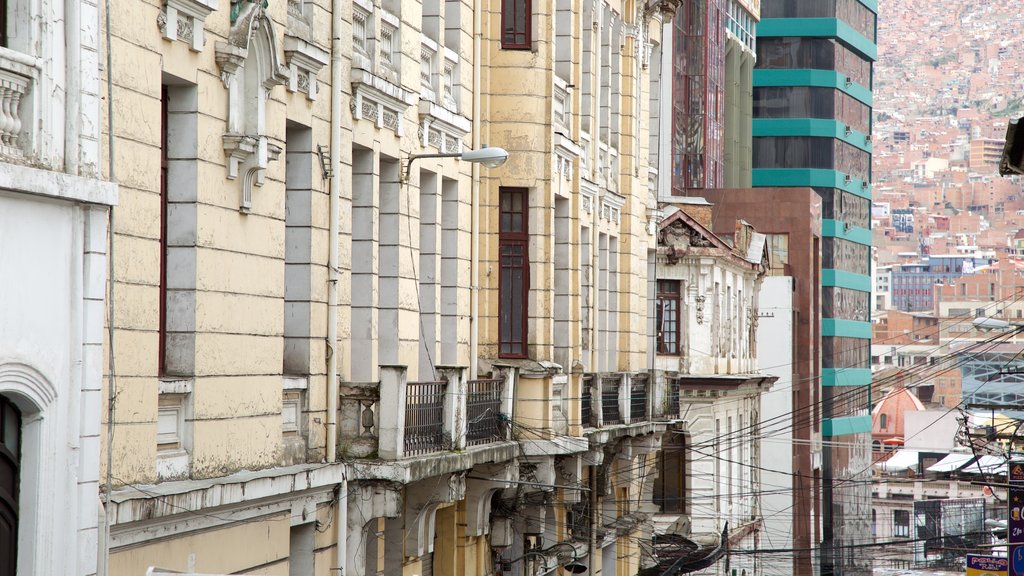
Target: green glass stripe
x,y
818,127
844,279
818,28
819,78
838,229
846,425
846,376
847,328
817,177
870,5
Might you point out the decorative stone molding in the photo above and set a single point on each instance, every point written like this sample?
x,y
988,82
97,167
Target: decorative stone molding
x,y
250,68
441,128
566,152
611,207
185,20
379,101
305,60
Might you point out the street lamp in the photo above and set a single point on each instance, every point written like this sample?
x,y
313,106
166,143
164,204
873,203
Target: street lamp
x,y
489,156
573,566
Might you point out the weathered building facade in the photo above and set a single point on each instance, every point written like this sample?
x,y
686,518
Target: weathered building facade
x,y
706,315
340,343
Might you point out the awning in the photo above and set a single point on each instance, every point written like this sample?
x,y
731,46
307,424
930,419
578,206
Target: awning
x,y
951,463
987,465
900,461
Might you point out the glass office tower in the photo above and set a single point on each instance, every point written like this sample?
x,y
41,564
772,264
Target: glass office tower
x,y
812,127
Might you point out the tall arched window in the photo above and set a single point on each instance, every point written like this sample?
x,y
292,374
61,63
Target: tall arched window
x,y
10,467
883,421
670,487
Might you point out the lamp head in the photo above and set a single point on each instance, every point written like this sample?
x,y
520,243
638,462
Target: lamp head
x,y
491,157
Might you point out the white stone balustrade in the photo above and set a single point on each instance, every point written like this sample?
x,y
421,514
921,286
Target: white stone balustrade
x,y
17,73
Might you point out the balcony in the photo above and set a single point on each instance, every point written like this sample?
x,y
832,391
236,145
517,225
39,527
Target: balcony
x,y
397,420
625,399
18,77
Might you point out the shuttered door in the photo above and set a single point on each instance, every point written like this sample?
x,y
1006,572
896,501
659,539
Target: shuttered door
x,y
428,564
10,460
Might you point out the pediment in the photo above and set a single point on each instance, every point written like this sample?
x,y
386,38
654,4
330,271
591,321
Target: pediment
x,y
681,236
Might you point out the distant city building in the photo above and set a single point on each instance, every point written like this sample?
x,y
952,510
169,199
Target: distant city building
x,y
913,285
903,220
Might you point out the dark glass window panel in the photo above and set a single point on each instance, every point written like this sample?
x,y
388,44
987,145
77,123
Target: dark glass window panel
x,y
840,205
858,16
840,254
811,152
812,102
814,54
845,352
843,401
845,304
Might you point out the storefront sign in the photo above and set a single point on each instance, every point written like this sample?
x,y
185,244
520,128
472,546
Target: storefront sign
x,y
978,565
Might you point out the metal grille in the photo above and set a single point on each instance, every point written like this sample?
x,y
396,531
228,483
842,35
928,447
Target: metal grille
x,y
638,399
673,400
424,417
585,402
483,409
610,400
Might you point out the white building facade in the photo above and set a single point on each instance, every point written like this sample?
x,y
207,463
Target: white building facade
x,y
54,210
705,326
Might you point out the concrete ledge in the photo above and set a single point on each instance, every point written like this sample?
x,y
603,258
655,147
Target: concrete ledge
x,y
57,185
608,434
146,502
429,465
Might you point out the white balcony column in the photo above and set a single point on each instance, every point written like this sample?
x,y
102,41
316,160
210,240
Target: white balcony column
x,y
393,380
455,424
625,396
508,391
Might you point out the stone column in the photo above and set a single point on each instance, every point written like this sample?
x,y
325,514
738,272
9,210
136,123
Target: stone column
x,y
391,442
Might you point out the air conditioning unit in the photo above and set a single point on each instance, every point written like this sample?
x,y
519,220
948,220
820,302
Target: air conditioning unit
x,y
848,179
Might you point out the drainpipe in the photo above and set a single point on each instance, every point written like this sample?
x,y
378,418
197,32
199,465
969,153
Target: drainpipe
x,y
73,84
333,232
474,266
341,522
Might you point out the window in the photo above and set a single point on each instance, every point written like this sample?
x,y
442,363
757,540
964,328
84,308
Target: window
x,y
883,421
514,281
10,466
515,24
667,321
670,485
901,523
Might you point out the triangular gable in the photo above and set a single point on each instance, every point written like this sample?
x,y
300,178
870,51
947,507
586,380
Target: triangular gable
x,y
679,230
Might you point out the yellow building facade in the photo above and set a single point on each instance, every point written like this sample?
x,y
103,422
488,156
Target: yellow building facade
x,y
347,340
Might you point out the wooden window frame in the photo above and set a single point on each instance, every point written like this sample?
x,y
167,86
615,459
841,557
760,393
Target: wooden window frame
x,y
162,344
510,239
510,34
676,297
